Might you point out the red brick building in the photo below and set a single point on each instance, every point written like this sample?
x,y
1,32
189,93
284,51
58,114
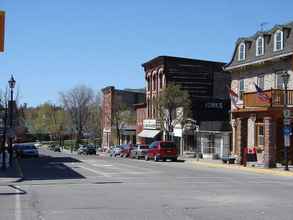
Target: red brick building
x,y
141,115
111,99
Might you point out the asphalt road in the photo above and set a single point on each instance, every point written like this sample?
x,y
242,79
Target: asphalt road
x,y
60,186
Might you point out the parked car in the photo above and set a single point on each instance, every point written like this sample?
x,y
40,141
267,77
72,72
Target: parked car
x,y
116,151
87,149
57,148
26,150
139,151
162,150
51,146
126,149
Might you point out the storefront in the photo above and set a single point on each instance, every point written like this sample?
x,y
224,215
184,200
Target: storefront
x,y
150,132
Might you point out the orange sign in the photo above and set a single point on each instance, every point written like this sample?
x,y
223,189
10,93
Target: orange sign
x,y
2,30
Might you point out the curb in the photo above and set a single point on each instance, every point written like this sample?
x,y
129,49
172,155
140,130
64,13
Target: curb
x,y
247,169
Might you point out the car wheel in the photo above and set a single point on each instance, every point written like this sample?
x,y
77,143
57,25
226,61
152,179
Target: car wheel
x,y
146,157
164,159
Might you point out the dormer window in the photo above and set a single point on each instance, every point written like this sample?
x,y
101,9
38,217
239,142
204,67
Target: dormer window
x,y
241,52
278,40
259,46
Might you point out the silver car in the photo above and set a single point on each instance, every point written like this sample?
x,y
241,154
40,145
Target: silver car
x,y
139,151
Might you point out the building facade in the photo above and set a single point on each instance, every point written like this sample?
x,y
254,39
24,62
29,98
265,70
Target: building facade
x,y
256,68
115,101
210,102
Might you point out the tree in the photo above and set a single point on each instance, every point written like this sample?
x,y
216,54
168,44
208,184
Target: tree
x,y
173,106
78,103
120,116
46,118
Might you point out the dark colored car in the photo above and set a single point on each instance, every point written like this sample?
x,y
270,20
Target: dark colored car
x,y
139,151
26,150
87,149
126,149
162,150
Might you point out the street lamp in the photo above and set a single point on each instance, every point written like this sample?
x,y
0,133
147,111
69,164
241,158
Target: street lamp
x,y
11,83
287,129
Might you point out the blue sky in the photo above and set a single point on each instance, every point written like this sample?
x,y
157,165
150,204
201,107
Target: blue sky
x,y
54,45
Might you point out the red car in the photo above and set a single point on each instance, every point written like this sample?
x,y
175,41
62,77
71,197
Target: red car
x,y
162,150
126,149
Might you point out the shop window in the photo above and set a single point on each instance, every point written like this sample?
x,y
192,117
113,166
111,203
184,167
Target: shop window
x,y
260,135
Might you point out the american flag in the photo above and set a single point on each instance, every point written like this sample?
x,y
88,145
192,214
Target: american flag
x,y
261,95
234,97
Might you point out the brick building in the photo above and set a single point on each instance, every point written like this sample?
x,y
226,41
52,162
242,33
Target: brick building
x,y
210,102
111,99
257,116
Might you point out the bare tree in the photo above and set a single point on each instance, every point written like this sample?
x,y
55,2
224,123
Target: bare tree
x,y
172,107
78,102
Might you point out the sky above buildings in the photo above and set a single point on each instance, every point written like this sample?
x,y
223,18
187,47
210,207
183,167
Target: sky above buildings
x,y
52,46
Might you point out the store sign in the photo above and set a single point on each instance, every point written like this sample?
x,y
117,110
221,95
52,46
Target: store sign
x,y
2,30
214,105
151,124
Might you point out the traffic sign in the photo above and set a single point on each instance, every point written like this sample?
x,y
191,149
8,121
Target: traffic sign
x,y
287,140
287,121
286,113
287,130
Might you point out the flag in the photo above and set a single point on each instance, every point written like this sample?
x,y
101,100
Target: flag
x,y
261,95
234,97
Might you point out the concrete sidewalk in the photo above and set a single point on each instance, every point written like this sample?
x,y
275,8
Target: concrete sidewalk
x,y
278,171
11,174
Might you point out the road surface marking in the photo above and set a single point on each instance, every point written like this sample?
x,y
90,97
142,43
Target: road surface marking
x,y
17,204
96,171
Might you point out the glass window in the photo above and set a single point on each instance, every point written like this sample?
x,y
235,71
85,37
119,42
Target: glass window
x,y
241,89
278,40
261,81
241,52
260,135
259,46
278,80
168,145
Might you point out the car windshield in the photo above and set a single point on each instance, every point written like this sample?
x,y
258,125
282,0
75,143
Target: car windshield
x,y
167,145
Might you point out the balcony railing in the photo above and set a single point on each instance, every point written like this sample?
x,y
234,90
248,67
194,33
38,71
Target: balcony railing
x,y
276,98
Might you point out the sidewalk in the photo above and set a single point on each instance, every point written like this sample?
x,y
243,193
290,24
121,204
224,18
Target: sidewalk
x,y
278,171
11,174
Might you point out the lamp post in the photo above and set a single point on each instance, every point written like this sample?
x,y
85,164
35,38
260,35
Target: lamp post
x,y
287,129
11,83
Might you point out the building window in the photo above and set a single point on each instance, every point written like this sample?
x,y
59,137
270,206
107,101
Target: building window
x,y
161,81
278,80
241,89
241,52
261,81
260,135
259,46
149,84
278,40
155,82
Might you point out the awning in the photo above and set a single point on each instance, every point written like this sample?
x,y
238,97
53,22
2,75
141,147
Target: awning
x,y
149,133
